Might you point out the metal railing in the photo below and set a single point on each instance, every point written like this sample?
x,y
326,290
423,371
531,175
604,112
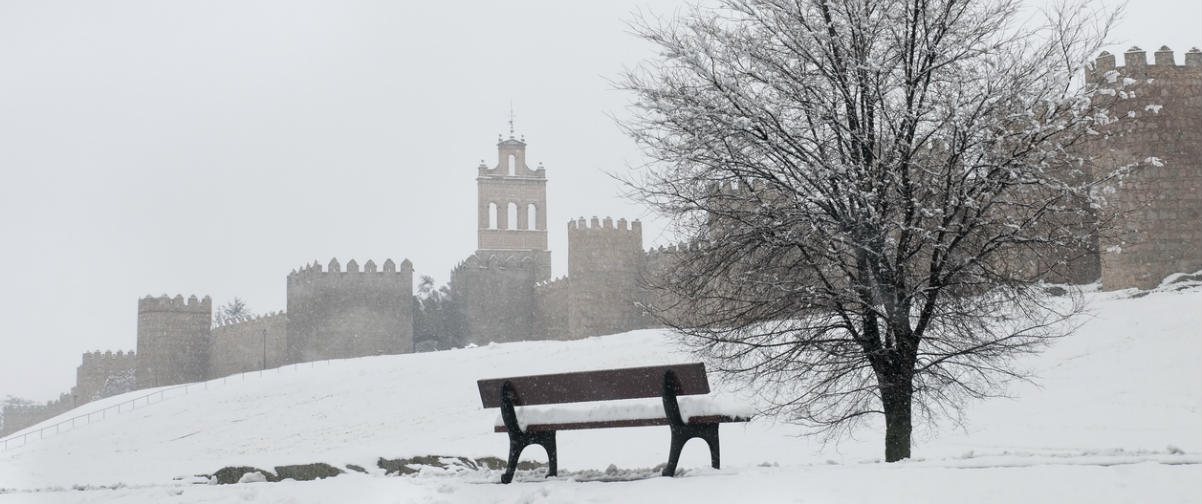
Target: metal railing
x,y
27,434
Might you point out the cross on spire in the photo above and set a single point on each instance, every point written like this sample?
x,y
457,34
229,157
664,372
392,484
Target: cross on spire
x,y
511,117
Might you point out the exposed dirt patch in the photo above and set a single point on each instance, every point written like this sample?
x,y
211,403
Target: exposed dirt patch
x,y
307,472
234,474
413,465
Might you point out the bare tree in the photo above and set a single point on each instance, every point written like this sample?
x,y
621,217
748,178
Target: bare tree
x,y
873,191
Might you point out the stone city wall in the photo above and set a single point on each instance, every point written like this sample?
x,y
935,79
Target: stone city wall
x,y
101,374
336,314
249,344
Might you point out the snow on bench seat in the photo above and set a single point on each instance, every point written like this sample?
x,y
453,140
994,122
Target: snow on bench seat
x,y
627,413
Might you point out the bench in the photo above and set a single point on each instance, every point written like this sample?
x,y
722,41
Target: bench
x,y
701,419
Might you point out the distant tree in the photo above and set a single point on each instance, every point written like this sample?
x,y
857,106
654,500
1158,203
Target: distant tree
x,y
16,402
873,191
12,402
120,383
435,317
233,311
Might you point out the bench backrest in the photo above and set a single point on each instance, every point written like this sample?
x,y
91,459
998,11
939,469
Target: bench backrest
x,y
601,385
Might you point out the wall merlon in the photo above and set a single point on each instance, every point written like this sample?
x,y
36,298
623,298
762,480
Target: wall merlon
x,y
1163,56
1104,63
1193,58
1135,58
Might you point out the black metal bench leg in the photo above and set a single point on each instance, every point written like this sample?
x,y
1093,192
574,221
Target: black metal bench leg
x,y
515,450
678,440
711,438
682,434
548,444
520,441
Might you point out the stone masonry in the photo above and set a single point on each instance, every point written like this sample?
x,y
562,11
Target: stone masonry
x,y
1158,227
97,375
336,314
246,345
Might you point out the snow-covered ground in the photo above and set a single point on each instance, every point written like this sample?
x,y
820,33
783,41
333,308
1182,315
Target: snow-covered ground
x,y
1116,416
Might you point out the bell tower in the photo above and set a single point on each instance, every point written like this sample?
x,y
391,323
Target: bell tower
x,y
512,205
494,287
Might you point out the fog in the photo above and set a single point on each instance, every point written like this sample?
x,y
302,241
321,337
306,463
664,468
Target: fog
x,y
209,148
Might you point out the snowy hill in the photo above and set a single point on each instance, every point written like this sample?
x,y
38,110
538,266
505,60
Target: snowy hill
x,y
1115,416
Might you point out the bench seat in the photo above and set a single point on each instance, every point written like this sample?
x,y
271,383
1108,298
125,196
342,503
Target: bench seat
x,y
627,413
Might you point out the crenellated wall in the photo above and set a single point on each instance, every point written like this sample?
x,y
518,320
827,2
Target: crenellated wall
x,y
248,344
1159,205
336,313
104,374
173,340
20,417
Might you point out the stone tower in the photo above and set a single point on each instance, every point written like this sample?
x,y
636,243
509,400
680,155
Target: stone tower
x,y
173,340
604,270
494,287
336,314
512,207
1159,205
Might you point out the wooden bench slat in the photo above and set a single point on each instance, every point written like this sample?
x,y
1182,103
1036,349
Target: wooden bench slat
x,y
605,424
601,385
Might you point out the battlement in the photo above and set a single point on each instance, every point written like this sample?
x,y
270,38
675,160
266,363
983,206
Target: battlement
x,y
658,258
334,268
164,303
501,261
266,317
674,248
98,357
606,225
1135,64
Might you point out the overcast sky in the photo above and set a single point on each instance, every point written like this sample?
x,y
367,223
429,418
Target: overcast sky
x,y
208,148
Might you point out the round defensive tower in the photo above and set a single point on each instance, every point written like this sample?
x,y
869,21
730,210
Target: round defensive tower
x,y
173,340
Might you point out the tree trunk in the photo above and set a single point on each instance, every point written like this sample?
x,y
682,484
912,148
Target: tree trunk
x,y
897,399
